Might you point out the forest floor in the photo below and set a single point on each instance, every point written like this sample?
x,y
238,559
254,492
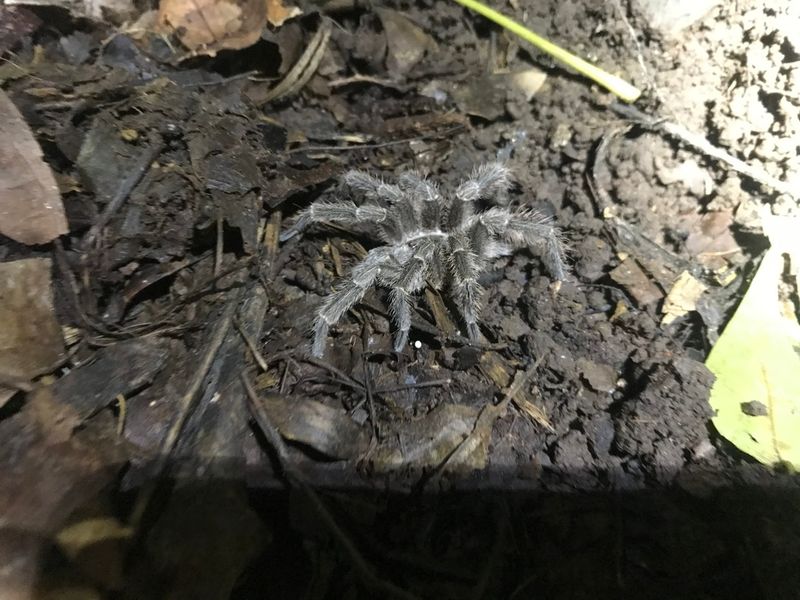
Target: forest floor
x,y
569,454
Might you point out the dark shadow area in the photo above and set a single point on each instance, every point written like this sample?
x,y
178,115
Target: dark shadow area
x,y
489,535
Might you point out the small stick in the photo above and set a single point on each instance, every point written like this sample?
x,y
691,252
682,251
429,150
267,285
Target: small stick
x,y
218,253
368,380
186,406
698,142
413,386
251,345
616,85
128,184
305,66
374,146
123,411
487,415
273,437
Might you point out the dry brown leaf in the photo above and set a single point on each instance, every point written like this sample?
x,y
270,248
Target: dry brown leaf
x,y
278,13
682,298
431,441
207,26
407,42
630,275
113,11
30,336
710,238
31,211
328,430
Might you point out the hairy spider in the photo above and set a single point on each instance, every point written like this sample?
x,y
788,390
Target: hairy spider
x,y
444,240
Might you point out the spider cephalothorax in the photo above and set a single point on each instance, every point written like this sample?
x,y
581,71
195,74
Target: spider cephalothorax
x,y
428,236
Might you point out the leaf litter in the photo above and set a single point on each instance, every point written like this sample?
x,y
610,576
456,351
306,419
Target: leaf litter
x,y
159,447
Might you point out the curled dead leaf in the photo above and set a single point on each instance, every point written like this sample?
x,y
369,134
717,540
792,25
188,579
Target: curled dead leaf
x,y
208,26
30,336
31,211
278,13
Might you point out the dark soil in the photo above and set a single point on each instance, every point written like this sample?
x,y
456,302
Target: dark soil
x,y
614,484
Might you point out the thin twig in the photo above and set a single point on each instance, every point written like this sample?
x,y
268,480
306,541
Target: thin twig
x,y
185,407
485,418
219,247
138,171
368,381
318,362
123,412
273,437
413,386
251,345
305,66
698,142
374,146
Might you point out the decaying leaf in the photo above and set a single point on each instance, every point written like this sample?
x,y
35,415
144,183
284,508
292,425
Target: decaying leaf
x,y
429,442
114,11
599,376
208,26
30,336
710,238
97,546
328,430
119,369
486,96
46,473
278,13
17,22
205,538
682,298
757,358
630,275
407,42
528,81
31,211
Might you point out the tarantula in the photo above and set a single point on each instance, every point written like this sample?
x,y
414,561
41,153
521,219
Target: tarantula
x,y
428,237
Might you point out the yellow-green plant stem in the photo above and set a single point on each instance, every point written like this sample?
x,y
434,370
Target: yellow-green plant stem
x,y
612,83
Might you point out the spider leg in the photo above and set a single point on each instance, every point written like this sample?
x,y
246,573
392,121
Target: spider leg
x,y
424,196
465,266
404,282
346,213
484,182
372,187
527,228
349,293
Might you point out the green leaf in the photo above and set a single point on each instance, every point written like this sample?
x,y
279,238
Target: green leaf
x,y
757,359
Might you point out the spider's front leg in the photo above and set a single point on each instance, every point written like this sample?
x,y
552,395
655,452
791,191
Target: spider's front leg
x,y
349,293
485,181
372,187
345,213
